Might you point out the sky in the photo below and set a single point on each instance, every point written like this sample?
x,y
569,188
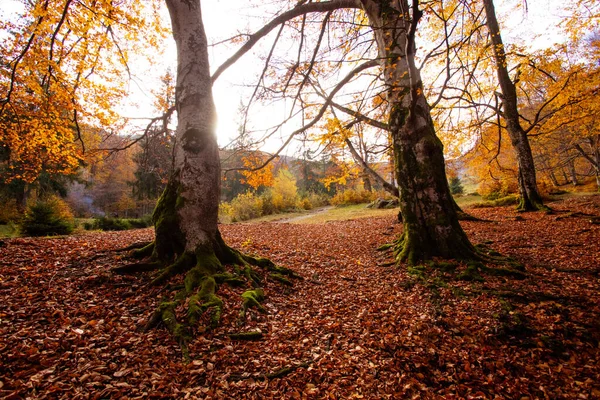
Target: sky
x,y
224,18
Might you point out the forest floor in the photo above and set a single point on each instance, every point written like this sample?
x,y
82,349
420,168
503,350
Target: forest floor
x,y
354,327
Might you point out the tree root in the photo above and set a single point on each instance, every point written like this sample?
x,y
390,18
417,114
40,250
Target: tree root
x,y
137,267
529,205
252,298
203,271
133,246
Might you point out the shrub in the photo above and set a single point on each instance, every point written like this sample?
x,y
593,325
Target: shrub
x,y
119,224
48,217
316,199
305,204
8,210
284,191
456,186
225,213
246,206
267,203
509,200
495,190
111,224
353,196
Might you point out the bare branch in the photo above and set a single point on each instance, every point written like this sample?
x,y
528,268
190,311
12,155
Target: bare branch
x,y
300,9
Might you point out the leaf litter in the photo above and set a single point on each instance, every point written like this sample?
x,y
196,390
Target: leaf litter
x,y
355,327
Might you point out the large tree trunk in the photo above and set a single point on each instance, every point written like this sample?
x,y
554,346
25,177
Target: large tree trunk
x,y
185,219
530,196
431,226
186,215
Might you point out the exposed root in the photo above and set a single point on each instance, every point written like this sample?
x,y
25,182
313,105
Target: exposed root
x,y
280,278
137,267
252,298
526,204
183,263
134,246
143,251
463,216
204,271
204,300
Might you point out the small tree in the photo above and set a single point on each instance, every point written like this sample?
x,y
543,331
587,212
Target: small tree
x,y
284,191
456,186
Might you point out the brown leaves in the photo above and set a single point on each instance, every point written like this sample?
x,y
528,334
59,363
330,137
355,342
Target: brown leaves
x,y
68,326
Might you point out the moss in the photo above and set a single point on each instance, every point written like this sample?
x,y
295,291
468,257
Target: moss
x,y
183,263
444,266
229,279
252,298
170,240
385,247
143,252
416,271
472,272
203,300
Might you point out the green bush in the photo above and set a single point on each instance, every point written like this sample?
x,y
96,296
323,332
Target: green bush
x,y
509,200
456,186
119,224
48,217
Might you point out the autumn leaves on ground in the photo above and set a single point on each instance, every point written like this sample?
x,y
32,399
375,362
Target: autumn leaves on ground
x,y
354,327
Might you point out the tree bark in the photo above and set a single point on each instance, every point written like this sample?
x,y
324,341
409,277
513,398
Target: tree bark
x,y
188,209
594,157
530,196
431,226
185,218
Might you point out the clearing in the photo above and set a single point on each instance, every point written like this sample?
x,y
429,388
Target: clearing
x,y
355,327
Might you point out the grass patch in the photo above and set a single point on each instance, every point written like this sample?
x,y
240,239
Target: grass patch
x,y
347,212
467,200
8,231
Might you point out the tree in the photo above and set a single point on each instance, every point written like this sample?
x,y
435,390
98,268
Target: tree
x,y
530,196
187,238
431,226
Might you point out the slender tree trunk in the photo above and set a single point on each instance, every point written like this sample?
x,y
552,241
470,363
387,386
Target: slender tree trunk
x,y
530,197
573,173
565,177
431,226
553,179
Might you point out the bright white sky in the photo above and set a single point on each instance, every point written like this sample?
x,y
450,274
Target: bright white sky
x,y
224,18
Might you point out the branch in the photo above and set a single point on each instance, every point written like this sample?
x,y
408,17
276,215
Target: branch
x,y
300,9
317,118
386,185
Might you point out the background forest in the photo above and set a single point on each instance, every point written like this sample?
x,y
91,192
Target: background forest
x,y
93,162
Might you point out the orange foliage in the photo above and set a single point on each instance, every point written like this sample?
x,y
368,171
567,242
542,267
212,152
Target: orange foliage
x,y
259,177
66,67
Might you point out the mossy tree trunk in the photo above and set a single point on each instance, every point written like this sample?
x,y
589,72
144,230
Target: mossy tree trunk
x,y
530,197
187,238
186,214
429,214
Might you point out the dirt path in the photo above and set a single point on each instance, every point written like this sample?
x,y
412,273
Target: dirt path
x,y
306,216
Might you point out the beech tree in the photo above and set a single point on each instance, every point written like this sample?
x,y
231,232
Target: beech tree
x,y
431,226
530,196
